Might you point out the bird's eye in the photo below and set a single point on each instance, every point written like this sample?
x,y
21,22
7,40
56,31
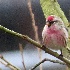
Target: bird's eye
x,y
49,23
53,22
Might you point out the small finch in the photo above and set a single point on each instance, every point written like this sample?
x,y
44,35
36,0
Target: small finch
x,y
54,33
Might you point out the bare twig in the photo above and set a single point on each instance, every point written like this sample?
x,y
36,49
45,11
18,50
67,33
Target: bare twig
x,y
6,63
35,28
21,51
40,57
47,50
54,61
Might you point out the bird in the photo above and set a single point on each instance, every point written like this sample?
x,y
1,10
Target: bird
x,y
55,34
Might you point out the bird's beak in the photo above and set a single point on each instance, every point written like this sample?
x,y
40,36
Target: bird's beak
x,y
48,24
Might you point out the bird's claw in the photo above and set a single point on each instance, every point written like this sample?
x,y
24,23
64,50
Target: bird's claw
x,y
61,55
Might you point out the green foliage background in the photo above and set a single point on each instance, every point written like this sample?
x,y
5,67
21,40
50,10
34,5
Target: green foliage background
x,y
51,7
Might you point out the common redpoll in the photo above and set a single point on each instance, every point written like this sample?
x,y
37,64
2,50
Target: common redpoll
x,y
54,33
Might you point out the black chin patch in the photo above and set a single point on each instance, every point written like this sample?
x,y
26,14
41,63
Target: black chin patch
x,y
50,23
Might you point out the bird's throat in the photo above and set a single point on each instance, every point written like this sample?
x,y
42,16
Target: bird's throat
x,y
52,30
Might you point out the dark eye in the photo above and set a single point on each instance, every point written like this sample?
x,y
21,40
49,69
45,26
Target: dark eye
x,y
53,22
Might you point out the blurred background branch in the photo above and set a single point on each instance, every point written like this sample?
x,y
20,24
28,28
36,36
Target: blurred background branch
x,y
21,51
8,64
35,28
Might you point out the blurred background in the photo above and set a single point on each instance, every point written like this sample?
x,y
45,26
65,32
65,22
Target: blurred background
x,y
14,14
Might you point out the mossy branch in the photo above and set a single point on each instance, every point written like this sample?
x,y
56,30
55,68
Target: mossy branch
x,y
25,37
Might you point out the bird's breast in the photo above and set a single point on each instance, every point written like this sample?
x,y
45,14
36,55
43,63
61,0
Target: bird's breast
x,y
54,38
53,30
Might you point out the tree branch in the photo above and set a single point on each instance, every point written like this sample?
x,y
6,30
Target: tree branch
x,y
25,37
6,63
46,59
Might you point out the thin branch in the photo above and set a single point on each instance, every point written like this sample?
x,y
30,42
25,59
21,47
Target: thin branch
x,y
21,51
6,63
40,57
55,61
46,59
47,50
35,28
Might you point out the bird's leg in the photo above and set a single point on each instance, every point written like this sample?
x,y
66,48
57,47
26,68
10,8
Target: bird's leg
x,y
61,53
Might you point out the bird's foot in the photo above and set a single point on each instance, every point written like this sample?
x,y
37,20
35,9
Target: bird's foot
x,y
43,46
61,55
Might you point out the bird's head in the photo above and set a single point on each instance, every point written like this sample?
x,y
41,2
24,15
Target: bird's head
x,y
52,19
